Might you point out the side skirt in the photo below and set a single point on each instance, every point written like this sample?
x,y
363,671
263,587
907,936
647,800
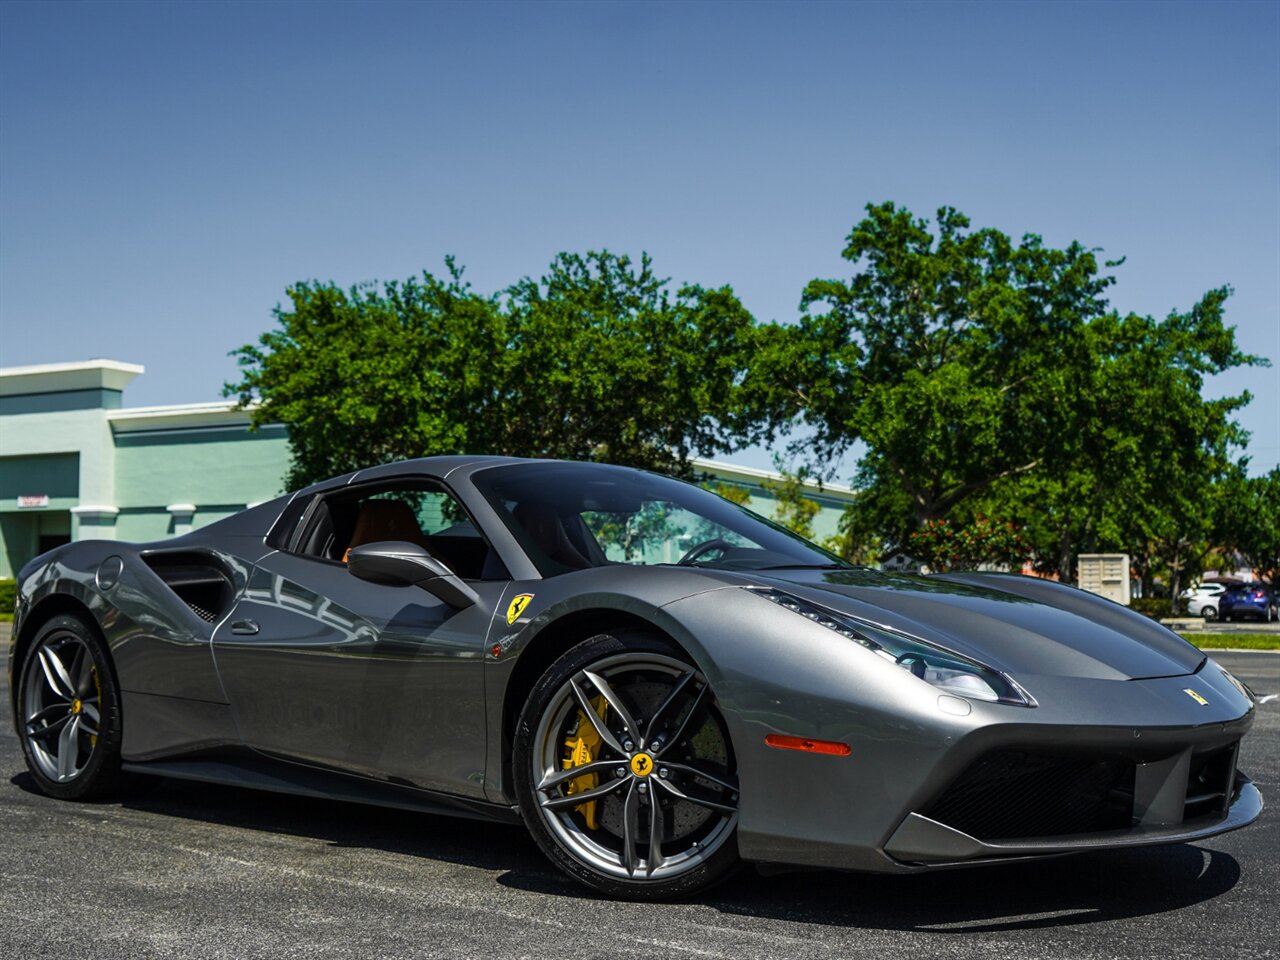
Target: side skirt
x,y
283,777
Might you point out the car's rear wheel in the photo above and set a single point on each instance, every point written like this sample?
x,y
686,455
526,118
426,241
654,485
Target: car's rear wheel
x,y
625,772
1210,613
69,711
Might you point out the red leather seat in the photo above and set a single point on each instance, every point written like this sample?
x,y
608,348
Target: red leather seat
x,y
382,520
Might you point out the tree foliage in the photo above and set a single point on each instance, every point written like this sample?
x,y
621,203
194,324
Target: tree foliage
x,y
984,376
984,542
597,359
943,354
792,509
1136,473
1250,521
991,376
733,492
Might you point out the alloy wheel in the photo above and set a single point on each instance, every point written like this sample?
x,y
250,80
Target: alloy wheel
x,y
61,706
633,769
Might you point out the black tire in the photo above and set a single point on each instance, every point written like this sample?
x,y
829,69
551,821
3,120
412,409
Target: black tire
x,y
1209,613
94,747
710,859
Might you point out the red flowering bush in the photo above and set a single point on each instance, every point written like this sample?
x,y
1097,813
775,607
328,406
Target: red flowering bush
x,y
984,541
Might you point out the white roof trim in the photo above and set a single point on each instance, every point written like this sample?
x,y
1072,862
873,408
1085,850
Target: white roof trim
x,y
65,377
220,413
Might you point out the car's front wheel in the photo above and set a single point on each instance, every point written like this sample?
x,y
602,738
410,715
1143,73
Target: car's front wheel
x,y
1210,613
69,711
625,772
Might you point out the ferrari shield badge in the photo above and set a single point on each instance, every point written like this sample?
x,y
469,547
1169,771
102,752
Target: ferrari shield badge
x,y
1195,696
517,607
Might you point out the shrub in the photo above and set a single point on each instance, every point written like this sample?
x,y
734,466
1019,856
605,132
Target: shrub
x,y
8,591
1154,607
945,547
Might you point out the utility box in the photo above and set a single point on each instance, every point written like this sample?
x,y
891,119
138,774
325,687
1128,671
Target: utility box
x,y
1106,574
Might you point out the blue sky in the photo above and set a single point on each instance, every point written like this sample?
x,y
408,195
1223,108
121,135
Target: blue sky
x,y
167,169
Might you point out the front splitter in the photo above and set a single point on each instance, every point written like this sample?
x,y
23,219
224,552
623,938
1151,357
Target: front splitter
x,y
919,841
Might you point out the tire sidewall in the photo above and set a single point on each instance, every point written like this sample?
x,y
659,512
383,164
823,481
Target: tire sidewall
x,y
103,769
716,868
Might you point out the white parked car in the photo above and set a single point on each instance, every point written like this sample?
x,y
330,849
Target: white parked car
x,y
1202,599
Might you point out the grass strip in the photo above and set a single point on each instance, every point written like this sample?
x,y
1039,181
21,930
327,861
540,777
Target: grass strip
x,y
1238,641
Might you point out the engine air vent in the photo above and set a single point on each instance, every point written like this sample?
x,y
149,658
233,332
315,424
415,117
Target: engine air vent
x,y
198,579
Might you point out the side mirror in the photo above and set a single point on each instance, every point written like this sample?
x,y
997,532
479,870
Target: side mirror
x,y
398,563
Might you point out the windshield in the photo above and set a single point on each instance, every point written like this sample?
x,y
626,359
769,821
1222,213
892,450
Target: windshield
x,y
570,516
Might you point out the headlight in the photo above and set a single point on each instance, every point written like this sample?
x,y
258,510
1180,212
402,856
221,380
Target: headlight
x,y
942,668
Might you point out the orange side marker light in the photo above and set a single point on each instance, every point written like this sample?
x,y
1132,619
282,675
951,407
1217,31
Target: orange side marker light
x,y
805,745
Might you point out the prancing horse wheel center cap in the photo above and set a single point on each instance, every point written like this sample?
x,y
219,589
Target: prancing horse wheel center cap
x,y
642,764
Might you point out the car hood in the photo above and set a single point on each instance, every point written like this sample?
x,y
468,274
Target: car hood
x,y
1021,625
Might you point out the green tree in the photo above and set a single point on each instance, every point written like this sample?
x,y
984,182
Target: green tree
x,y
988,376
943,546
1251,522
609,365
733,492
792,508
371,374
943,354
597,359
1163,508
857,538
1137,469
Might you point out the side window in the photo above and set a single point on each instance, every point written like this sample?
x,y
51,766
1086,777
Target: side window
x,y
414,511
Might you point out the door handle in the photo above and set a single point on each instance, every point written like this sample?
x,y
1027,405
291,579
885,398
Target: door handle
x,y
245,627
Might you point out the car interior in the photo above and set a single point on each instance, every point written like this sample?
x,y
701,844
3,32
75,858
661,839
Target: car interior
x,y
563,538
345,521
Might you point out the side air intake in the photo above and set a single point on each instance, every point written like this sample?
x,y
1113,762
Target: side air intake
x,y
198,579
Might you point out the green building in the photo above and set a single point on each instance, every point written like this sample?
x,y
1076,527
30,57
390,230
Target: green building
x,y
76,463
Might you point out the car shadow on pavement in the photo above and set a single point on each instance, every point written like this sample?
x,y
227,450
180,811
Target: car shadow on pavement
x,y
484,844
1064,891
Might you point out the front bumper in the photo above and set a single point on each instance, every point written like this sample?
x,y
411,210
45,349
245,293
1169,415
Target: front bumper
x,y
922,842
910,744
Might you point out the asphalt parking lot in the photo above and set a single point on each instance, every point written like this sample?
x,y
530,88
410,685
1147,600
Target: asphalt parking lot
x,y
193,871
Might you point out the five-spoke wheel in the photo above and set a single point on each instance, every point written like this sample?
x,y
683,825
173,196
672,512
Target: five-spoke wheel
x,y
625,770
69,711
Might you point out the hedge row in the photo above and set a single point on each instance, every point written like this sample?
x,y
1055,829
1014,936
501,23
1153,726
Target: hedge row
x,y
8,591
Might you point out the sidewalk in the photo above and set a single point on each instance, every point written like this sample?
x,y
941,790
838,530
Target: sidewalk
x,y
1198,625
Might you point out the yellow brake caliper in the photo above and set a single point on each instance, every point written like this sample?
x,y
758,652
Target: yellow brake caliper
x,y
582,748
93,672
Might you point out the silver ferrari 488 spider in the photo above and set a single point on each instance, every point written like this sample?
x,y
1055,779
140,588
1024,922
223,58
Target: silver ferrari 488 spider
x,y
660,684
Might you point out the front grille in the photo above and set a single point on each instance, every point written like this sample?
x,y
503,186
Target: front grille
x,y
1011,794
